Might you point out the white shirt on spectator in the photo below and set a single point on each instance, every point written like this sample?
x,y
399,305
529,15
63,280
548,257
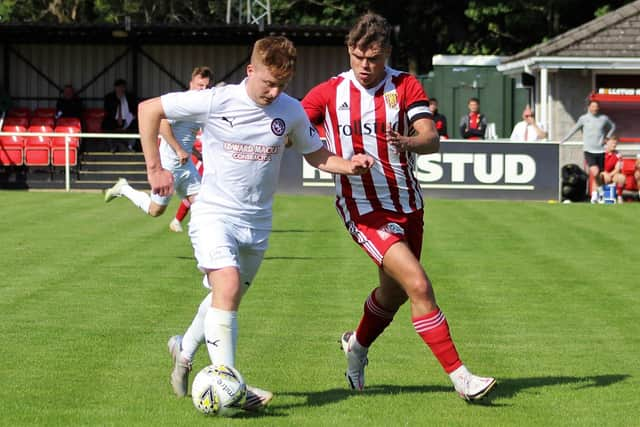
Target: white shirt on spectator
x,y
525,132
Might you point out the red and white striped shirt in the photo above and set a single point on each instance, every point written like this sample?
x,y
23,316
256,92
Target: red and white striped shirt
x,y
355,120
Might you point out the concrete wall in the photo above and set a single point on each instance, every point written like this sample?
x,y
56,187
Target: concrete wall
x,y
569,90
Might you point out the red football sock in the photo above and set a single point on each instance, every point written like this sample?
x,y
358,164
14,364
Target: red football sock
x,y
434,331
619,190
374,320
183,210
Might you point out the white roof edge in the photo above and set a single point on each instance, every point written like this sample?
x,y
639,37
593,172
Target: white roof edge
x,y
570,62
477,60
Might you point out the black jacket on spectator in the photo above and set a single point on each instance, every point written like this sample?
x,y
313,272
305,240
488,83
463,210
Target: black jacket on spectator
x,y
111,104
66,107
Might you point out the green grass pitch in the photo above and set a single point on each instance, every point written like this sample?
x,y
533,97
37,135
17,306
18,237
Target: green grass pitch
x,y
545,297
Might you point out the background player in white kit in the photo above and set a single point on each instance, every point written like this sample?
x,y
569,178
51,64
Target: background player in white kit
x,y
384,112
177,139
245,129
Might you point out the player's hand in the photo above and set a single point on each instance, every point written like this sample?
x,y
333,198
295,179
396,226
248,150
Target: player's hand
x,y
361,163
399,142
183,156
161,182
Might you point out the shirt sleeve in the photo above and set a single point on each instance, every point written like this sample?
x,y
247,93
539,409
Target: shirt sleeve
x,y
315,103
416,100
192,106
304,136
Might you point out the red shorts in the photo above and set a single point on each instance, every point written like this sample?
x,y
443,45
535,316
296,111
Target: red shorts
x,y
377,231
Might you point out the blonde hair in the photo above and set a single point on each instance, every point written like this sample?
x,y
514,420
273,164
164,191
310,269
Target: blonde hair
x,y
277,53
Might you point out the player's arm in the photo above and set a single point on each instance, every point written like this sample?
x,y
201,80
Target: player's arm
x,y
425,139
326,161
573,130
612,128
150,114
167,134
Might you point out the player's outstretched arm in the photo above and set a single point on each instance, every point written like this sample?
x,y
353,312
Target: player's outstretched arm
x,y
425,140
167,133
150,113
326,161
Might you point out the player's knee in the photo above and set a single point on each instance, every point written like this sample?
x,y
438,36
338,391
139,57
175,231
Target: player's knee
x,y
419,289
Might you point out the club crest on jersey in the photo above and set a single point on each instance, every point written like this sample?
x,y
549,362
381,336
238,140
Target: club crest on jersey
x,y
278,127
391,98
389,229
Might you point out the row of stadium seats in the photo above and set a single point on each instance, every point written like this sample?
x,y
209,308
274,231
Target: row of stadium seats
x,y
91,120
41,121
35,150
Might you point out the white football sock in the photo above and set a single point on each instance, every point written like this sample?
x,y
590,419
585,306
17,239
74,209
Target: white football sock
x,y
195,334
221,333
139,198
459,375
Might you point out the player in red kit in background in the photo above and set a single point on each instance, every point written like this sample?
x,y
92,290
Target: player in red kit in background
x,y
612,173
438,119
474,124
383,112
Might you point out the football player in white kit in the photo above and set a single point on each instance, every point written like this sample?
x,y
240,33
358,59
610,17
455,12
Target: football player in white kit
x,y
245,130
176,143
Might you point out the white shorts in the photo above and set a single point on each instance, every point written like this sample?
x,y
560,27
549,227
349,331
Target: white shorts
x,y
186,182
218,243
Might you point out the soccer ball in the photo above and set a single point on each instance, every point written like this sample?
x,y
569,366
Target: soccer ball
x,y
218,390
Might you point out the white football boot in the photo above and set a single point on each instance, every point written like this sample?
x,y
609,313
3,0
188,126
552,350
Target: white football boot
x,y
175,226
355,363
257,399
181,367
471,387
115,191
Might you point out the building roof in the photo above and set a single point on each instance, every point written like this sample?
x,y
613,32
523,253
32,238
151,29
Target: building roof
x,y
616,34
167,34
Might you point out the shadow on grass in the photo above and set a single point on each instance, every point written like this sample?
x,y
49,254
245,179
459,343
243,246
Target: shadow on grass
x,y
505,389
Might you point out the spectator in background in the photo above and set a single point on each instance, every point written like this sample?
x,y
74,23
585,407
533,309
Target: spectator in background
x,y
612,170
595,127
528,129
474,124
68,105
439,119
120,109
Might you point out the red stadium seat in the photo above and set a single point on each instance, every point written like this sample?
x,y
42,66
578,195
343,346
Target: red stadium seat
x,y
628,168
14,128
42,121
19,112
57,146
15,121
37,148
92,118
11,150
44,112
69,121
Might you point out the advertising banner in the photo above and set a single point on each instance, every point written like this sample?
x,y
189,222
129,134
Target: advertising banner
x,y
475,170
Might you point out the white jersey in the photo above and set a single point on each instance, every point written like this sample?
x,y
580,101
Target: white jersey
x,y
186,134
242,147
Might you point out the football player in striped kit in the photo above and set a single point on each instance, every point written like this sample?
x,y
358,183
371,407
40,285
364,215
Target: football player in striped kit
x,y
383,112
